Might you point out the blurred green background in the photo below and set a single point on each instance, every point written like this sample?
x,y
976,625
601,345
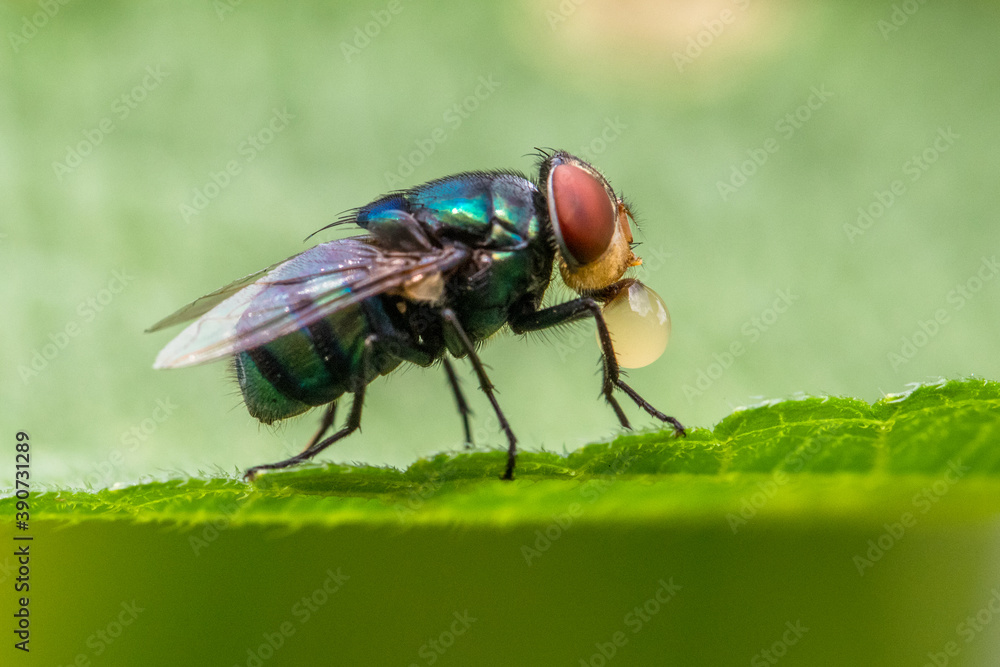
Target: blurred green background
x,y
747,135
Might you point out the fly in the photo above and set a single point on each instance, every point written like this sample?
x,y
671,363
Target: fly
x,y
440,268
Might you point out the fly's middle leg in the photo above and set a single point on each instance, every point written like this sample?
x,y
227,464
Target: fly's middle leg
x,y
451,319
463,407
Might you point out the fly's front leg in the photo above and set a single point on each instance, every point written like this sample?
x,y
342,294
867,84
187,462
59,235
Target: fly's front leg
x,y
613,372
571,311
451,319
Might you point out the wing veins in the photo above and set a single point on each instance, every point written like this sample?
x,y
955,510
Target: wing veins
x,y
308,308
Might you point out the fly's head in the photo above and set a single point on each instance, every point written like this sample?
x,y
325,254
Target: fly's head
x,y
591,224
593,233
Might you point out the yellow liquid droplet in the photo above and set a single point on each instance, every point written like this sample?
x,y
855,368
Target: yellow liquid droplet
x,y
639,324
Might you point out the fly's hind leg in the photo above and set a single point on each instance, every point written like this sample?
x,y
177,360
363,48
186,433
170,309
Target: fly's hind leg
x,y
353,422
463,407
328,417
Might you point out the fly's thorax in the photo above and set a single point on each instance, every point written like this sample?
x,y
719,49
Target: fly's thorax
x,y
514,214
497,215
485,290
480,209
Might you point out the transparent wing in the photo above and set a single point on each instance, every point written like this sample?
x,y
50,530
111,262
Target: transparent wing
x,y
293,295
199,307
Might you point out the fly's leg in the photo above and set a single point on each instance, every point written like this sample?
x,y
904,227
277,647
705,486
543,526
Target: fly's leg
x,y
612,373
577,309
484,382
314,448
424,355
463,407
353,423
328,416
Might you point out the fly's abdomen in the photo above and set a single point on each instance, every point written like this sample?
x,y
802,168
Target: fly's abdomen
x,y
310,367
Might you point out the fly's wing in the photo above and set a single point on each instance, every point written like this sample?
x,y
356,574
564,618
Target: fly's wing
x,y
199,307
294,294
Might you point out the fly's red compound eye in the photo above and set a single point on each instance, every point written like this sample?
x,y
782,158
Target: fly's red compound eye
x,y
583,214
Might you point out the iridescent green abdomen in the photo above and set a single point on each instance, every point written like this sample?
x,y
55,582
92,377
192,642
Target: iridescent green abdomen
x,y
312,366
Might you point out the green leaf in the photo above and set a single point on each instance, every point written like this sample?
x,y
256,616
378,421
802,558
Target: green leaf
x,y
870,528
838,457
